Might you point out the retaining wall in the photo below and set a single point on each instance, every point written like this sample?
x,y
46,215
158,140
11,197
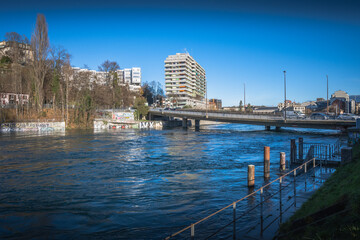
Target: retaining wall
x,y
32,126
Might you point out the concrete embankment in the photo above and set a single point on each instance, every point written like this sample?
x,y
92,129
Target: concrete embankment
x,y
32,126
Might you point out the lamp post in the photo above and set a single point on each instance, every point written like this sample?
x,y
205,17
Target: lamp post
x,y
244,100
327,94
285,95
206,100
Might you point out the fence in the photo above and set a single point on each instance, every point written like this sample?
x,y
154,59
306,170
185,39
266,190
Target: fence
x,y
301,151
303,168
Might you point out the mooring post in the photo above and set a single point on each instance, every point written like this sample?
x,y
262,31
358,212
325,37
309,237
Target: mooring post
x,y
301,148
266,162
282,161
292,151
251,176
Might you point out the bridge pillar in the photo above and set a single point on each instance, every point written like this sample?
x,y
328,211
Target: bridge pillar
x,y
277,129
150,117
301,148
266,162
184,123
197,125
267,128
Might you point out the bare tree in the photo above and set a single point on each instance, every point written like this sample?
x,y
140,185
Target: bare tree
x,y
111,78
40,63
68,75
58,59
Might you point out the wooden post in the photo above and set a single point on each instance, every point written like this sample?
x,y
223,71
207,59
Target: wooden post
x,y
292,151
282,161
301,148
266,162
251,176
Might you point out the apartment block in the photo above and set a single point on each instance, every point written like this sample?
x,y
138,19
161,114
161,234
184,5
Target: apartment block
x,y
185,81
129,76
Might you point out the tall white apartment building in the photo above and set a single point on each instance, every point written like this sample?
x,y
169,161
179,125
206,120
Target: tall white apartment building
x,y
185,81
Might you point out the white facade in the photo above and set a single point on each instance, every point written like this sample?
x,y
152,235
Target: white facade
x,y
13,98
185,80
130,76
25,53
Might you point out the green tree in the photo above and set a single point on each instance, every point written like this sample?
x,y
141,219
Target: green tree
x,y
141,108
240,105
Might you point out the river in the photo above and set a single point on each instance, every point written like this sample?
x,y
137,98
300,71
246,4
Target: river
x,y
129,184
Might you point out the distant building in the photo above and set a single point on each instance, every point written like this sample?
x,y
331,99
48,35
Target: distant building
x,y
356,98
215,104
13,99
281,105
292,106
340,101
132,77
185,81
12,49
129,76
320,99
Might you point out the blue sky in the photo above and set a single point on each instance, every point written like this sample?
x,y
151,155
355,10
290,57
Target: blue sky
x,y
236,43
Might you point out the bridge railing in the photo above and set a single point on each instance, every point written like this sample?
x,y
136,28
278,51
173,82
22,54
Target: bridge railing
x,y
239,115
304,168
217,115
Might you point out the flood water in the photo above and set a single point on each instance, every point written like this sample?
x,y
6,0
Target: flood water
x,y
130,184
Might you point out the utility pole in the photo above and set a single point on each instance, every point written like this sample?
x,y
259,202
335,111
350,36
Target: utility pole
x,y
285,94
244,99
206,100
327,94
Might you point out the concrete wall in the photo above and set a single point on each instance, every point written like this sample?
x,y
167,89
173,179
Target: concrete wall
x,y
32,126
101,124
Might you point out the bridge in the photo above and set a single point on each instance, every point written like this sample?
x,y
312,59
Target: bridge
x,y
252,119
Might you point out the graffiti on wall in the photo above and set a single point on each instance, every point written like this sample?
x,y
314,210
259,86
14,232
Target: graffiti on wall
x,y
155,124
123,116
32,126
100,124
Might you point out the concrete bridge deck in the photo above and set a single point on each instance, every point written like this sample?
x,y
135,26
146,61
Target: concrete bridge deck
x,y
264,120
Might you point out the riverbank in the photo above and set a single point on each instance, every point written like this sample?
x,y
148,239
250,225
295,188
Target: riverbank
x,y
333,212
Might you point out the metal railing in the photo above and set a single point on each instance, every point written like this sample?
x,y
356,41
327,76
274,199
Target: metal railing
x,y
239,116
303,167
322,151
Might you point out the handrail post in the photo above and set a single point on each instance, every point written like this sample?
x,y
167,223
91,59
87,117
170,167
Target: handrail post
x,y
261,211
192,231
280,184
234,217
295,188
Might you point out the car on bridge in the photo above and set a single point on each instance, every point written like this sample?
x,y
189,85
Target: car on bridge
x,y
347,116
319,116
294,115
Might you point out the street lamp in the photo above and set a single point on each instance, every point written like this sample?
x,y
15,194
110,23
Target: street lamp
x,y
285,94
